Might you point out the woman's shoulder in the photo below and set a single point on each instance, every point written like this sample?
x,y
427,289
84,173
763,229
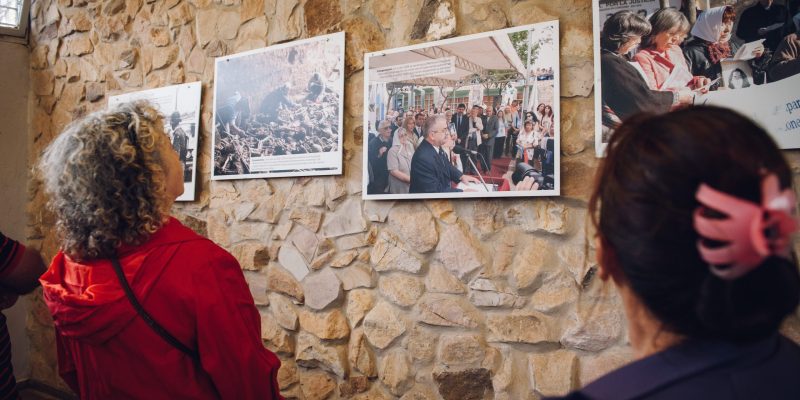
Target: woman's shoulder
x,y
644,56
611,58
206,250
197,250
675,52
694,46
571,396
704,368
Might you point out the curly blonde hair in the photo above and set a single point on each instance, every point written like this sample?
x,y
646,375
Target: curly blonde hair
x,y
106,180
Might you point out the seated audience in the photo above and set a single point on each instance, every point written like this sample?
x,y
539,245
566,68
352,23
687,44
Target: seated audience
x,y
711,43
625,92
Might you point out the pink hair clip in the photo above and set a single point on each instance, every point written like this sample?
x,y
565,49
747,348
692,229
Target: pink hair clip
x,y
751,232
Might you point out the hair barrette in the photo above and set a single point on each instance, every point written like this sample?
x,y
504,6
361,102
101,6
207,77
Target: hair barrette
x,y
751,232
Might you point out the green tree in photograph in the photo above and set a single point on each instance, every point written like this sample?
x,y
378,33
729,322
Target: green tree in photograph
x,y
520,42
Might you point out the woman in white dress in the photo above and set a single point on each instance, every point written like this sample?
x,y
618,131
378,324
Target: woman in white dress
x,y
526,141
398,160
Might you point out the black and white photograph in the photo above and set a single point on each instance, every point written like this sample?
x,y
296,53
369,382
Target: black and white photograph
x,y
180,108
737,74
694,52
278,110
472,116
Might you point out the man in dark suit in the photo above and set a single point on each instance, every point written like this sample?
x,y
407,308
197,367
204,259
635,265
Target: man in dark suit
x,y
489,132
396,123
377,150
461,122
431,171
419,120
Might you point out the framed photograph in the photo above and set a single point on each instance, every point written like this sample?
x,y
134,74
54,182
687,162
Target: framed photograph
x,y
473,116
180,106
728,49
278,110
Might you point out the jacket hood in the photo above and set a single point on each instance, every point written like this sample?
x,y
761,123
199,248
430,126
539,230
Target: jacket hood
x,y
86,299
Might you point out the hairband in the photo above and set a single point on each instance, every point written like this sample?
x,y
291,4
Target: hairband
x,y
750,232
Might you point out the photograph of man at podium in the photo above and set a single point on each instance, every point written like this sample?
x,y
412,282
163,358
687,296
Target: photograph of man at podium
x,y
465,99
431,170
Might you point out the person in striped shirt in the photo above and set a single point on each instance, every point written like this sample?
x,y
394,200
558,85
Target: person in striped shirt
x,y
20,269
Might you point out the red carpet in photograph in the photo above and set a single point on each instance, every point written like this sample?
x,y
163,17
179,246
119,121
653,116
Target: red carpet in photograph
x,y
499,168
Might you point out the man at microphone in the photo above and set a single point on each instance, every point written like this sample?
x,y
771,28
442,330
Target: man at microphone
x,y
431,171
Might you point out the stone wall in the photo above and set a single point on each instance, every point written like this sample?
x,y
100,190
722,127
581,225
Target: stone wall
x,y
370,300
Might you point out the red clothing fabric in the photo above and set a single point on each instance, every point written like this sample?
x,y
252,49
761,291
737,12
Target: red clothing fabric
x,y
658,67
194,289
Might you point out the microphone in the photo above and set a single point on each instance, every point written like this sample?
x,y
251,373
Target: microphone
x,y
460,150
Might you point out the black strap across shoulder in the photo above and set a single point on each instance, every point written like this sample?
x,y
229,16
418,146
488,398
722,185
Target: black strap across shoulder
x,y
157,328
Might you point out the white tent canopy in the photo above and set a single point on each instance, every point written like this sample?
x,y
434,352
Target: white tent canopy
x,y
475,56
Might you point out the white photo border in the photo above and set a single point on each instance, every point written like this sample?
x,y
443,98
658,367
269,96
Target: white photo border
x,y
599,146
781,92
467,195
338,37
193,91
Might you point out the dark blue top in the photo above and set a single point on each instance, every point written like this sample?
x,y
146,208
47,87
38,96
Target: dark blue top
x,y
713,370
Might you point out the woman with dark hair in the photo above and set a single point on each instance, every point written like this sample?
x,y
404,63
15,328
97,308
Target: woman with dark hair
x,y
548,120
540,111
661,57
698,243
711,43
624,91
738,79
143,307
528,140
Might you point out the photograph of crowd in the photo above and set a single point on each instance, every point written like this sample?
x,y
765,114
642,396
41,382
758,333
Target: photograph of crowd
x,y
474,116
278,110
180,108
657,59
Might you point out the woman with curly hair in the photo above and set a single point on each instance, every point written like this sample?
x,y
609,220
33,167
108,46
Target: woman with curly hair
x,y
143,307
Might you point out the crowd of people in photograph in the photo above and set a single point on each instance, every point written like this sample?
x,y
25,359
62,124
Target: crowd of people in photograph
x,y
662,63
407,154
284,123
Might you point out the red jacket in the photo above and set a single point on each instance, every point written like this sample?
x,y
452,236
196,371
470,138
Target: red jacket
x,y
194,289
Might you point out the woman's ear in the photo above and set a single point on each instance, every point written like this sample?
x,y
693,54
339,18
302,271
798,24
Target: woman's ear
x,y
607,258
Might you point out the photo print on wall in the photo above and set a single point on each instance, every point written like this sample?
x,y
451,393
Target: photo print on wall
x,y
180,107
278,110
736,55
473,116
